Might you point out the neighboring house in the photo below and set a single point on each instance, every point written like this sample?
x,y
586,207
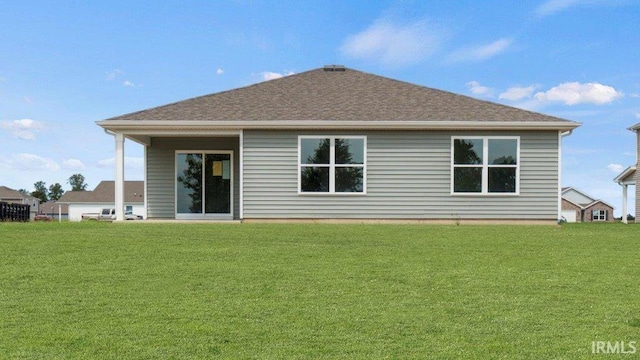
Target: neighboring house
x,y
57,211
626,178
580,207
80,202
337,143
12,196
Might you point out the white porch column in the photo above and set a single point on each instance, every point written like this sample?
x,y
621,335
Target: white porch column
x,y
624,203
119,181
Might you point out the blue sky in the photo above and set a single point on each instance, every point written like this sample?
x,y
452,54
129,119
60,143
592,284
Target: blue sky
x,y
66,64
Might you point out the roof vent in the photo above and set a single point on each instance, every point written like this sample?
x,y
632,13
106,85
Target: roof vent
x,y
334,68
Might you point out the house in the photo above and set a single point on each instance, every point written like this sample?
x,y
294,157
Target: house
x,y
80,202
580,207
339,143
55,210
12,196
628,177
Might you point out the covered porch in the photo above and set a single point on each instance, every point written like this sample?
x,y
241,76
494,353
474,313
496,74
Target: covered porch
x,y
626,178
188,175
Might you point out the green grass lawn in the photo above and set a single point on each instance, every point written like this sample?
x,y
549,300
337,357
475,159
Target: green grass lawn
x,y
307,291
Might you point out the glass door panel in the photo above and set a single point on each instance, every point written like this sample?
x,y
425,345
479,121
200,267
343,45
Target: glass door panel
x,y
189,183
204,186
217,180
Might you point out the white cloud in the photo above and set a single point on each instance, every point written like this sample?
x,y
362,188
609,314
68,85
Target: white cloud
x,y
219,71
24,161
73,164
638,115
23,129
573,93
111,75
268,75
517,93
129,162
550,7
478,89
481,52
616,168
395,44
128,83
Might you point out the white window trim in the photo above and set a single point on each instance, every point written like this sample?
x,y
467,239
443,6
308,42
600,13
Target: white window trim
x,y
601,212
486,166
332,165
201,216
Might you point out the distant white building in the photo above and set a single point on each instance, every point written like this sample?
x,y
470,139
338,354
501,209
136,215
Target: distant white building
x,y
103,196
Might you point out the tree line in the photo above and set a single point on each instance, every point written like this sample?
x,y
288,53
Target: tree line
x,y
55,191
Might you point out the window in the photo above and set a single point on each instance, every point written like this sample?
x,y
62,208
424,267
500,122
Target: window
x,y
485,165
599,215
332,165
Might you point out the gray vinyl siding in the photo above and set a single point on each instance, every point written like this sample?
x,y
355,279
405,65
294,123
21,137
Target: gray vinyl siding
x,y
408,177
161,171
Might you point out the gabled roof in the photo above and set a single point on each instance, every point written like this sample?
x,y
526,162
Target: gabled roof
x,y
627,176
597,202
567,189
335,97
105,193
8,193
11,194
585,205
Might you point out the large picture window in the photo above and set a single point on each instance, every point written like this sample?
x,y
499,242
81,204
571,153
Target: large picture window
x,y
485,165
334,165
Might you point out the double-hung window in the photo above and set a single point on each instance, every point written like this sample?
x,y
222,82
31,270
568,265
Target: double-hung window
x,y
488,165
332,164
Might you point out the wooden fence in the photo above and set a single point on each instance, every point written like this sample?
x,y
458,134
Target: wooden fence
x,y
14,212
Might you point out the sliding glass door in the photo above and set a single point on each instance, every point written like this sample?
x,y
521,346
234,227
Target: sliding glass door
x,y
204,184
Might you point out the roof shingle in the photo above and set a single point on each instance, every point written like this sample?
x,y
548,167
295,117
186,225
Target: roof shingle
x,y
349,95
105,193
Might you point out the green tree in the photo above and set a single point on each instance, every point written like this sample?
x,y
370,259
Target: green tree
x,y
468,178
77,182
40,191
191,178
347,178
55,191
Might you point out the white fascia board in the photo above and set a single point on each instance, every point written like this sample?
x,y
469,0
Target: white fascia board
x,y
634,128
625,174
191,127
